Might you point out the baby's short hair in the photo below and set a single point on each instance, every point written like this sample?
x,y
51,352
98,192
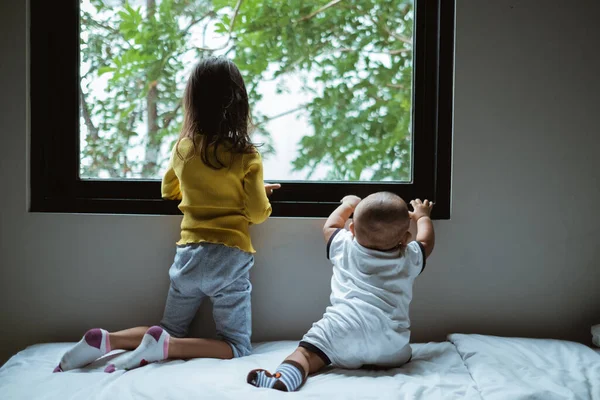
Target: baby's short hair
x,y
381,220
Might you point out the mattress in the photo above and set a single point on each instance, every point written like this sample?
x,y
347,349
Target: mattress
x,y
435,372
467,367
516,368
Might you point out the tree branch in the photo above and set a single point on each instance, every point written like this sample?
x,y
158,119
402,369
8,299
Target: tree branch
x,y
389,31
97,24
229,50
171,116
320,10
361,51
204,35
89,124
193,23
395,86
236,11
235,14
397,51
396,36
100,160
150,8
213,49
92,22
283,114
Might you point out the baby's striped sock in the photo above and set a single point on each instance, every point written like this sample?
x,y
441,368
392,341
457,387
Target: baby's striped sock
x,y
288,377
94,344
154,347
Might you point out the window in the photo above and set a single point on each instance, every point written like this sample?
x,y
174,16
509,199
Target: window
x,y
347,97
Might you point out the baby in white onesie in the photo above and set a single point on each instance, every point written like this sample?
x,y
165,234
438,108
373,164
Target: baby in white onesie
x,y
375,263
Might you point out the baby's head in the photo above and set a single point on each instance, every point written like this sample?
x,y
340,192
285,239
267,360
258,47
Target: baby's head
x,y
381,222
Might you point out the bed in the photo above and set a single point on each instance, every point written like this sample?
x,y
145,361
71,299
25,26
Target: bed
x,y
465,367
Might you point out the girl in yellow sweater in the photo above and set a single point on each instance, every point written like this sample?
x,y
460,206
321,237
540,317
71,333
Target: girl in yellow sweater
x,y
217,174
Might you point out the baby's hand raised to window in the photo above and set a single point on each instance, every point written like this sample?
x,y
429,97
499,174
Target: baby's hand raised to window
x,y
421,209
351,200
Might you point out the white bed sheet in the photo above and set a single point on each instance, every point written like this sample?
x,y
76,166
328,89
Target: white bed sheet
x,y
435,372
516,368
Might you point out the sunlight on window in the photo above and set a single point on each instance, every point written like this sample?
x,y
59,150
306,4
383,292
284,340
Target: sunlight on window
x,y
330,84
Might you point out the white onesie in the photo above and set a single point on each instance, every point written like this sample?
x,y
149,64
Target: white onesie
x,y
367,322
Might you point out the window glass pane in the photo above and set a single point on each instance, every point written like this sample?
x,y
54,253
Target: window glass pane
x,y
330,83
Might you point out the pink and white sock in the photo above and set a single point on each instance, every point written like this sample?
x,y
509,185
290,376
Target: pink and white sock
x,y
94,344
154,347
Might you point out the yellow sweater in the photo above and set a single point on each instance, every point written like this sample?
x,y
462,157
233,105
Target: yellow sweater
x,y
218,205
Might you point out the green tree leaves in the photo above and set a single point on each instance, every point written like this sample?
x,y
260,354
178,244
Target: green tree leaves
x,y
355,58
358,56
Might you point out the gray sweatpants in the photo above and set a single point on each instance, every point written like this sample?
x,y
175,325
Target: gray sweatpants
x,y
221,273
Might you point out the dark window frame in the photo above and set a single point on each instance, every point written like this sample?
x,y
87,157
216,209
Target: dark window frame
x,y
55,141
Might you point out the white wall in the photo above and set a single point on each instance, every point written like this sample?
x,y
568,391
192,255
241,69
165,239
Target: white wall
x,y
519,257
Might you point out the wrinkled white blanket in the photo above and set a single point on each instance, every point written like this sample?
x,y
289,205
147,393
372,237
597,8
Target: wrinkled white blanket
x,y
469,367
436,372
511,368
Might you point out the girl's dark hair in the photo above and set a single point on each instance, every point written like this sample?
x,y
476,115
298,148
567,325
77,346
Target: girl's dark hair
x,y
216,110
